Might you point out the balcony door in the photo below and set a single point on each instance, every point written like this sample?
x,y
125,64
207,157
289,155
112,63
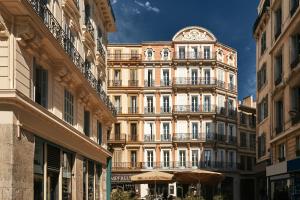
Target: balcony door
x,y
166,132
207,158
207,103
133,158
150,108
195,132
195,105
133,132
117,131
166,104
206,76
231,81
207,53
195,158
194,53
133,104
181,52
150,158
182,158
166,78
208,130
194,76
118,103
150,78
166,157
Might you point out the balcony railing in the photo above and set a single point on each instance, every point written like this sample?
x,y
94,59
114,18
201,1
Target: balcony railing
x,y
206,108
176,165
133,110
232,113
100,48
115,83
165,110
149,138
166,138
165,83
221,111
187,137
133,83
89,27
117,138
124,57
66,43
220,137
231,87
187,81
118,109
191,55
232,140
132,138
149,111
149,83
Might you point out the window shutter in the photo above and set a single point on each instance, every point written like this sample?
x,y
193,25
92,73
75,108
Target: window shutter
x,y
53,158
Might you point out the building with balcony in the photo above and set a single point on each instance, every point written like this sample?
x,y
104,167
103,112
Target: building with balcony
x,y
177,109
54,110
276,31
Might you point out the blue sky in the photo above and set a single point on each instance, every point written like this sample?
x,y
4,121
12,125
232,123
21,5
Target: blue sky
x,y
231,22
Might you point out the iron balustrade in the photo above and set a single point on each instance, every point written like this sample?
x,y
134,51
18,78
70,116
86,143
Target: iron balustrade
x,y
221,111
232,140
231,87
165,83
124,57
149,138
220,137
232,113
133,138
100,48
221,84
187,137
133,83
89,26
149,110
205,108
119,110
66,43
149,83
117,138
192,55
166,138
197,81
133,110
115,83
165,110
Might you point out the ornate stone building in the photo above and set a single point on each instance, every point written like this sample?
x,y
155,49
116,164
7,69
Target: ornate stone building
x,y
54,111
177,110
277,35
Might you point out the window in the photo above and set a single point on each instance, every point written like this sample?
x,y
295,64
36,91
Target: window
x,y
98,181
39,170
207,103
166,104
134,54
91,173
67,176
166,79
250,163
231,82
99,132
182,158
263,109
40,85
195,158
133,104
261,77
252,141
207,77
295,50
118,104
281,152
133,81
149,54
207,158
278,69
263,44
166,132
166,156
195,132
295,105
207,53
181,53
117,54
117,131
150,108
165,54
279,116
231,159
278,22
221,131
195,107
53,169
133,131
69,107
133,158
298,146
243,139
194,53
150,159
261,140
194,77
86,123
293,6
209,130
149,81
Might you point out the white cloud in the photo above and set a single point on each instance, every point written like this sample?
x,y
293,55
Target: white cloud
x,y
147,5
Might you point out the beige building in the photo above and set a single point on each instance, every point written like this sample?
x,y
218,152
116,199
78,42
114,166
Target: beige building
x,y
277,34
54,111
177,110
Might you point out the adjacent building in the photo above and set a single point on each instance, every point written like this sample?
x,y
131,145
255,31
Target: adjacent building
x,y
54,110
177,109
278,109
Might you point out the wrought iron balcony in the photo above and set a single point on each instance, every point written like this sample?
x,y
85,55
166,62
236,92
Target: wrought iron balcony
x,y
165,83
231,87
149,83
221,84
166,138
124,57
115,83
133,138
220,137
232,113
66,43
221,111
232,140
198,81
118,109
133,83
192,55
100,49
89,26
149,111
149,138
133,110
165,110
190,109
117,138
187,137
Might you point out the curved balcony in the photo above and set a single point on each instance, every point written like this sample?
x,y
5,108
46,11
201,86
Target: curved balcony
x,y
203,82
193,56
194,109
117,140
188,137
149,111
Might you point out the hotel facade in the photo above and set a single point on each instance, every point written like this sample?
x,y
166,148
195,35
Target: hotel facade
x,y
277,35
54,110
177,109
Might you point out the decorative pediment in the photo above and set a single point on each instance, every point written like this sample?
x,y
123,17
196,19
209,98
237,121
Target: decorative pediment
x,y
194,34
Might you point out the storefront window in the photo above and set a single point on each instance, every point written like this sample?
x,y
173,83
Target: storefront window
x,y
38,170
84,170
67,176
53,158
280,189
98,181
90,180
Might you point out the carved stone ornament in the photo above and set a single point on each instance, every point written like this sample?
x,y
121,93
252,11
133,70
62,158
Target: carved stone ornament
x,y
4,34
194,35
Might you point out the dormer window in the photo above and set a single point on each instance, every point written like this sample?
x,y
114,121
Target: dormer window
x,y
149,54
165,54
231,59
220,55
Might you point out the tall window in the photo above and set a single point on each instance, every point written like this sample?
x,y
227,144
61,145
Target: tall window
x,y
261,145
181,53
67,176
278,22
166,79
166,104
194,76
150,80
243,138
221,131
263,43
195,158
195,106
278,69
207,53
133,104
99,132
117,131
207,76
39,170
207,158
150,159
207,103
295,105
118,54
261,77
86,123
133,81
68,107
41,85
134,54
263,109
166,156
195,132
208,130
133,158
231,82
281,152
194,53
133,131
53,169
118,104
279,116
182,158
166,132
150,108
295,50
